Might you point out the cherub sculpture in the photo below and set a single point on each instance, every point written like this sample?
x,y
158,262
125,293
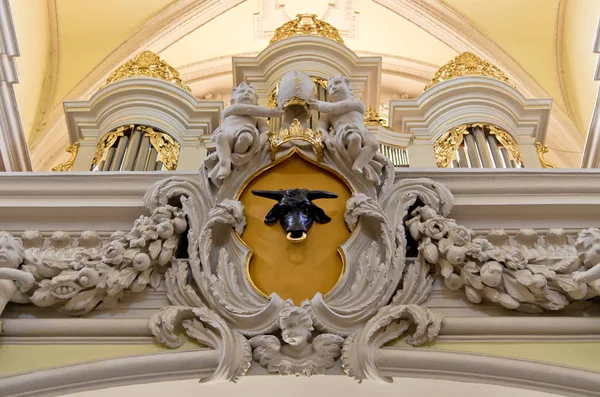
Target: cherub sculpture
x,y
11,278
346,118
298,355
588,249
243,123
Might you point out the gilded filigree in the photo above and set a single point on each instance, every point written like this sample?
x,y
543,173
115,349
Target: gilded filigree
x,y
542,150
306,24
446,145
296,132
68,165
146,64
167,147
507,141
107,142
467,64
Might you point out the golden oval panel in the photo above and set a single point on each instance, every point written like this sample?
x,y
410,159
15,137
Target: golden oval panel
x,y
295,270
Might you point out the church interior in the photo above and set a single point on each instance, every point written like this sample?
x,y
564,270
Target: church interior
x,y
158,165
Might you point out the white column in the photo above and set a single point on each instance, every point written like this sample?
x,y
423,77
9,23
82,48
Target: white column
x,y
14,153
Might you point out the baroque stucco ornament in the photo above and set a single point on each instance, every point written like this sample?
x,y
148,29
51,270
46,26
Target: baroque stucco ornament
x,y
378,298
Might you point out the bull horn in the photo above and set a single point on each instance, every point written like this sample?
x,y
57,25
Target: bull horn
x,y
320,194
270,194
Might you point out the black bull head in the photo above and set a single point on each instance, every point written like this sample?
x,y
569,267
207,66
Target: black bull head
x,y
295,210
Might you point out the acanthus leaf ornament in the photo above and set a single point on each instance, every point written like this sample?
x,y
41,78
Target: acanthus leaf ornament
x,y
235,356
378,296
467,64
306,24
149,64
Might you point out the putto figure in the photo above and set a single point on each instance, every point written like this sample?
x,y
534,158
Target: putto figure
x,y
346,118
11,255
298,355
243,122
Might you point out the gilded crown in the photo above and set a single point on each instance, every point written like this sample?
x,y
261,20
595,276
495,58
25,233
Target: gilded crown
x,y
296,132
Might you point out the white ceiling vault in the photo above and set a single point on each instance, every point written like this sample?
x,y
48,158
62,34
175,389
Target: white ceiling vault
x,y
413,38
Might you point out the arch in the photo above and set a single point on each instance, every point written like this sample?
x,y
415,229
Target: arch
x,y
392,361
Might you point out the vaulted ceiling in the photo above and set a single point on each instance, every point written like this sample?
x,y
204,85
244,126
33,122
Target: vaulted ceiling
x,y
69,46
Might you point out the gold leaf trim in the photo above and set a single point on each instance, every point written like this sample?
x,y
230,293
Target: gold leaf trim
x,y
167,147
541,151
68,165
146,64
507,141
446,145
107,141
296,132
468,64
306,25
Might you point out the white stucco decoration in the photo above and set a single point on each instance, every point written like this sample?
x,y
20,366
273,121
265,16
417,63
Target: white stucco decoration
x,y
526,272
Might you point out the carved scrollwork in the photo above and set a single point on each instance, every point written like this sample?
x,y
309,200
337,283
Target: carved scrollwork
x,y
360,348
202,324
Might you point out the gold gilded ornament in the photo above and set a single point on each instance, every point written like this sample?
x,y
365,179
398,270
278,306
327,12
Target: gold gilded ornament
x,y
446,145
68,165
507,141
296,132
541,151
146,64
167,147
468,64
306,25
106,143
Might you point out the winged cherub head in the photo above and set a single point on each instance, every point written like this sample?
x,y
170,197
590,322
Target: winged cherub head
x,y
295,324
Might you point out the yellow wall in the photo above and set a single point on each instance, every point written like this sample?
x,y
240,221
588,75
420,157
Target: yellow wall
x,y
581,19
90,30
524,29
33,34
23,358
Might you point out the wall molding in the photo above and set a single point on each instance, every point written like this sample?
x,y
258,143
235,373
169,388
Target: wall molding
x,y
95,331
391,361
14,153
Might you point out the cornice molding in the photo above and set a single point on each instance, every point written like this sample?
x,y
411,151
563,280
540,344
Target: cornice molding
x,y
455,329
471,99
111,201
